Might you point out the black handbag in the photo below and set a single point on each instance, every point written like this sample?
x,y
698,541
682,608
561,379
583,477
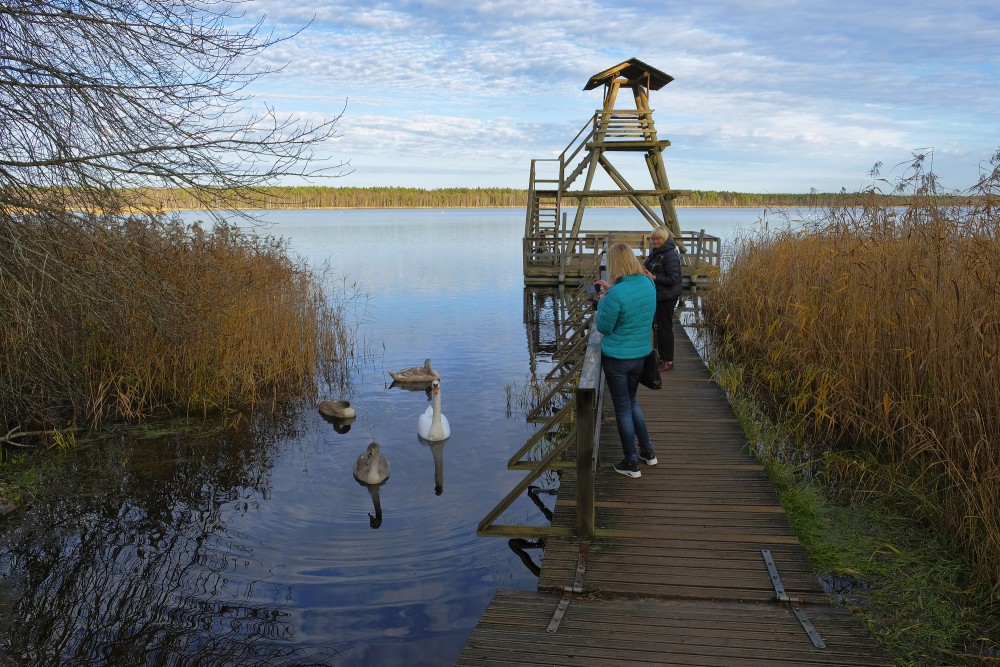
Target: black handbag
x,y
650,372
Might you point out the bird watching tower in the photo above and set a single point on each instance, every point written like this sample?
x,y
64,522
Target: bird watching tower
x,y
585,173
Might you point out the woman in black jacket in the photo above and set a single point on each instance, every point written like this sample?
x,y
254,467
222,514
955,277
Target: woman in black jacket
x,y
664,266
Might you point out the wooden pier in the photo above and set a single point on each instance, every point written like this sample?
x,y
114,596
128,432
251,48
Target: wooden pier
x,y
695,563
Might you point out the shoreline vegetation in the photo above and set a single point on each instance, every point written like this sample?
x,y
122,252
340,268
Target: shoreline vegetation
x,y
133,320
870,340
317,197
132,317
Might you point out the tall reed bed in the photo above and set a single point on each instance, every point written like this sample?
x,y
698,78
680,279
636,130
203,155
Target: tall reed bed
x,y
875,332
125,317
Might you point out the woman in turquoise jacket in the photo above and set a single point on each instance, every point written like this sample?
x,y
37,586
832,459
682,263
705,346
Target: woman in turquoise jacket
x,y
625,317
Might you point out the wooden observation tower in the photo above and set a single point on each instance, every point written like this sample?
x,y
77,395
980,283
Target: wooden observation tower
x,y
558,253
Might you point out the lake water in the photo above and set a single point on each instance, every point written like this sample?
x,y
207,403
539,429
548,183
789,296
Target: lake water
x,y
249,542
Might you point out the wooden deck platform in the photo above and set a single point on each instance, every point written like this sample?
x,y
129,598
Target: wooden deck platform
x,y
676,574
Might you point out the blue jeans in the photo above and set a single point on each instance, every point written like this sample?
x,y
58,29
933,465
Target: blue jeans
x,y
622,376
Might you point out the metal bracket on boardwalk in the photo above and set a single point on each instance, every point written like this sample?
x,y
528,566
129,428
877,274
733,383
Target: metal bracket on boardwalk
x,y
782,596
568,591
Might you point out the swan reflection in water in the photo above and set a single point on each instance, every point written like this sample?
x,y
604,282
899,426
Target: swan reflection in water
x,y
372,470
374,520
423,385
340,425
437,451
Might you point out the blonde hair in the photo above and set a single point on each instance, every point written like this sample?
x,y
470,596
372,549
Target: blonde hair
x,y
622,262
660,233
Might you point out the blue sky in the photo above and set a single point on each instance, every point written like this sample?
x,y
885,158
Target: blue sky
x,y
768,95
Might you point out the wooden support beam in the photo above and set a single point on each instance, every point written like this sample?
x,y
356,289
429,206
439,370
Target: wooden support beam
x,y
625,193
623,145
622,183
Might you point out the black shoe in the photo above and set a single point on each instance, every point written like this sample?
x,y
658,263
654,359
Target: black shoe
x,y
628,469
648,457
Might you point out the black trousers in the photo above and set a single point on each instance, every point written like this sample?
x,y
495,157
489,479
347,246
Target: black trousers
x,y
663,321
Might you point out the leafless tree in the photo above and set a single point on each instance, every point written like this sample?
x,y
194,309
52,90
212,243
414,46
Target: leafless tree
x,y
100,96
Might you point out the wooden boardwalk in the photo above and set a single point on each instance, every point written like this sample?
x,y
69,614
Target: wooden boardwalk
x,y
676,575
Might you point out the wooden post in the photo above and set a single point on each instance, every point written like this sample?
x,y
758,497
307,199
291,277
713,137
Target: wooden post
x,y
588,427
585,421
563,251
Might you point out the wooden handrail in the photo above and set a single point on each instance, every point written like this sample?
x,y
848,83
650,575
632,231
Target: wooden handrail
x,y
588,126
530,209
587,402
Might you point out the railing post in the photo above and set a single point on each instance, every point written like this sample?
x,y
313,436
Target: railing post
x,y
563,251
588,401
585,419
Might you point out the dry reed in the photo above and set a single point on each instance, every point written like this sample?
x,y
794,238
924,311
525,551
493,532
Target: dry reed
x,y
125,317
876,330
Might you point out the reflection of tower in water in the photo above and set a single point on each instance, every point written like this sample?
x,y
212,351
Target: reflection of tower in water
x,y
556,320
520,546
545,318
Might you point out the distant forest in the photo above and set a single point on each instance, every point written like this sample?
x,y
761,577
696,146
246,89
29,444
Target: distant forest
x,y
389,197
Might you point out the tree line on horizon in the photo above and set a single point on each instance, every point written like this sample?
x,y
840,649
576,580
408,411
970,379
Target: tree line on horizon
x,y
303,197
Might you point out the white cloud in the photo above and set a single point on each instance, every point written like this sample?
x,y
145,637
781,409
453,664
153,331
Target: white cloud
x,y
802,87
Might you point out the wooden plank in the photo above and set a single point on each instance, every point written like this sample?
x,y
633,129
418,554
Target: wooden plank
x,y
627,193
620,631
622,145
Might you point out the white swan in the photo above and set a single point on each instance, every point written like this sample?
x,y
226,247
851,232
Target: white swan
x,y
371,467
432,425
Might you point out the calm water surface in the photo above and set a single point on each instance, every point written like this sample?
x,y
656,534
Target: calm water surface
x,y
250,543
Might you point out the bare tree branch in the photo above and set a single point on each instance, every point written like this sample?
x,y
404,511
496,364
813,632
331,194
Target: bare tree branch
x,y
100,96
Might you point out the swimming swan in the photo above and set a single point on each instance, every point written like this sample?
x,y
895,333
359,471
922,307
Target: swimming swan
x,y
432,425
371,467
416,374
338,409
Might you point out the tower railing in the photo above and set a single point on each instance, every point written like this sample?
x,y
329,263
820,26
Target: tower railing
x,y
557,254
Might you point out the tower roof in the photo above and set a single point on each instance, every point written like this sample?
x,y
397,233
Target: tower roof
x,y
632,69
